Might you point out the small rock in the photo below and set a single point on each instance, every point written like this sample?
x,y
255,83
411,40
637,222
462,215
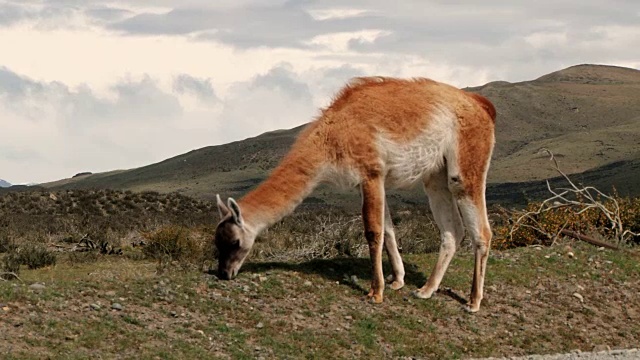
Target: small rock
x,y
570,255
5,308
579,297
37,287
95,307
110,293
262,278
354,279
71,337
600,348
348,317
116,306
308,283
173,314
259,325
201,332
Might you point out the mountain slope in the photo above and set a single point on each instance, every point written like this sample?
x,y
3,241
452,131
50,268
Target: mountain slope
x,y
4,184
588,115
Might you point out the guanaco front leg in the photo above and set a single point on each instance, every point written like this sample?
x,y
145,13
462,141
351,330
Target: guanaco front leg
x,y
373,218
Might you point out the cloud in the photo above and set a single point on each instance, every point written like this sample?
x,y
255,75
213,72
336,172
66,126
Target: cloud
x,y
200,88
133,100
275,100
60,130
101,84
11,14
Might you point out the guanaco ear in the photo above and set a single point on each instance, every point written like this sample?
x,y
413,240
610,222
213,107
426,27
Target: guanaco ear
x,y
223,210
235,211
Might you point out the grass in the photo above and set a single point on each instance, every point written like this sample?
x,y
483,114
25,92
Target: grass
x,y
301,295
273,312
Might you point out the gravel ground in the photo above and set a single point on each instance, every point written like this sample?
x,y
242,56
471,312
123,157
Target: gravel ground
x,y
631,354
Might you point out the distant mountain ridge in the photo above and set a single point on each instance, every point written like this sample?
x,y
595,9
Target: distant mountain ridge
x,y
4,184
588,115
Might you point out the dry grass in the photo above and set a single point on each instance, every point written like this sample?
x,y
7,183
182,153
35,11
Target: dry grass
x,y
310,235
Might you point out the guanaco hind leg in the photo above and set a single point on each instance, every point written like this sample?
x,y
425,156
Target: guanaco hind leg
x,y
396,279
475,218
445,212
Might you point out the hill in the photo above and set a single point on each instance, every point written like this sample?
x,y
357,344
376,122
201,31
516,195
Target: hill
x,y
4,184
588,115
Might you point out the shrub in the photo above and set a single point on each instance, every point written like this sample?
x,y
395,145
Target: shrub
x,y
173,243
514,229
36,256
5,242
11,263
315,234
33,255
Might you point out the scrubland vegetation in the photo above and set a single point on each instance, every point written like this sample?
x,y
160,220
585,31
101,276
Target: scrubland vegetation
x,y
128,274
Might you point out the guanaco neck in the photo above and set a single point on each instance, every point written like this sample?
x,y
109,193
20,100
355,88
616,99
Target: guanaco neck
x,y
287,186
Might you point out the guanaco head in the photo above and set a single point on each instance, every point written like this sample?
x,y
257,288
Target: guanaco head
x,y
232,240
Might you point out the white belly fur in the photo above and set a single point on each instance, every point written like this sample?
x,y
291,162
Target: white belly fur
x,y
412,162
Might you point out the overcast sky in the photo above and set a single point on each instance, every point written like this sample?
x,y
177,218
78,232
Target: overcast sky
x,y
90,85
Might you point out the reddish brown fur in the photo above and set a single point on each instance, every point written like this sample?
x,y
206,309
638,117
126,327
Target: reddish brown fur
x,y
345,137
486,105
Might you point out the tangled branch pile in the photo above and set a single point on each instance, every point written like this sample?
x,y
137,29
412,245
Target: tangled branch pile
x,y
580,210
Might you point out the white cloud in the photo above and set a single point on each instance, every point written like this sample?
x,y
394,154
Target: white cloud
x,y
274,100
103,84
336,13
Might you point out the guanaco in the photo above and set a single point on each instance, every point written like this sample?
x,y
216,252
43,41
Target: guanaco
x,y
383,133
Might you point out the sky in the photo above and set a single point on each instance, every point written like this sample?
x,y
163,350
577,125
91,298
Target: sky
x,y
91,85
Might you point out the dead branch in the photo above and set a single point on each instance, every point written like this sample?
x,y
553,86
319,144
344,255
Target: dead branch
x,y
3,274
588,239
579,198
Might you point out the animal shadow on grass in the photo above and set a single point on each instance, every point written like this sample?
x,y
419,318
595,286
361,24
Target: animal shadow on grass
x,y
339,269
342,269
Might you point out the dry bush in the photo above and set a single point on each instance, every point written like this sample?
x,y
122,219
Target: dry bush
x,y
542,227
34,255
174,243
579,209
103,215
5,242
11,263
320,234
